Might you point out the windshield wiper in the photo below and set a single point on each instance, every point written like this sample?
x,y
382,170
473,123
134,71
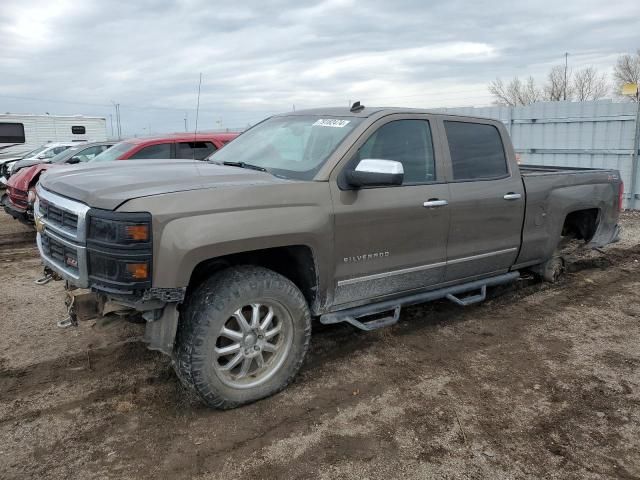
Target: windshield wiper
x,y
245,165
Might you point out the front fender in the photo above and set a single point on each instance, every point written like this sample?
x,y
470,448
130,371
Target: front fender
x,y
191,227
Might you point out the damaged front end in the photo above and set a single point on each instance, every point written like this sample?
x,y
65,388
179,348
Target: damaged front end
x,y
106,259
158,308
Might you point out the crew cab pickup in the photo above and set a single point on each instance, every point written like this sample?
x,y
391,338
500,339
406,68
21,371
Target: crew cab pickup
x,y
335,215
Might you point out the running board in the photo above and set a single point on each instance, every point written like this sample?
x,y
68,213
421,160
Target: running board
x,y
470,300
356,314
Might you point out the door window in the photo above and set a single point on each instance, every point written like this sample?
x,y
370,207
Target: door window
x,y
476,151
161,150
408,142
195,150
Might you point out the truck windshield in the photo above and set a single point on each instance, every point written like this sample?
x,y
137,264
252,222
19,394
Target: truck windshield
x,y
291,147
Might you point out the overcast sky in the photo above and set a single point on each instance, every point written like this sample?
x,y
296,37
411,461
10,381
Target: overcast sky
x,y
263,57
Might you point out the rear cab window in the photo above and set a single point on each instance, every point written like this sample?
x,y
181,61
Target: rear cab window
x,y
476,150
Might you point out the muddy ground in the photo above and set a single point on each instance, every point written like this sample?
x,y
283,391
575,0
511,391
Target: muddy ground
x,y
541,381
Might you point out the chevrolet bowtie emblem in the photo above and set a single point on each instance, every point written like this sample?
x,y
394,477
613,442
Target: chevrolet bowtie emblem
x,y
39,224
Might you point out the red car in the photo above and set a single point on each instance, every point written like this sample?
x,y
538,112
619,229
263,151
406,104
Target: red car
x,y
21,187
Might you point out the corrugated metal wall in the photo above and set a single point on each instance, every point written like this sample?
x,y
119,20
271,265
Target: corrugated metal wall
x,y
595,134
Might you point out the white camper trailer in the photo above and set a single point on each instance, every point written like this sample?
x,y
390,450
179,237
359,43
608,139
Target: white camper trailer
x,y
20,134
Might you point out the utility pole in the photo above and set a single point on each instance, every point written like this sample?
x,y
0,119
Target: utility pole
x,y
566,66
111,119
118,126
186,124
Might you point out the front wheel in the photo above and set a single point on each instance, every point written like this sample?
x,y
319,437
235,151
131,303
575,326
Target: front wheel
x,y
243,336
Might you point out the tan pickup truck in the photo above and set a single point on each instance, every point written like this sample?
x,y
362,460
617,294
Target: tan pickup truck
x,y
333,215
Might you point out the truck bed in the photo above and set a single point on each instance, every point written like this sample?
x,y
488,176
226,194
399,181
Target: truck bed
x,y
529,170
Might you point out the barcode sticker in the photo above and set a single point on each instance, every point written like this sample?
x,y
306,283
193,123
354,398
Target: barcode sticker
x,y
331,122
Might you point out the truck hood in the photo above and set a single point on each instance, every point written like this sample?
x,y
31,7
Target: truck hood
x,y
108,185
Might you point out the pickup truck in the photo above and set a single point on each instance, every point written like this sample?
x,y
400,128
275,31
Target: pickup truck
x,y
332,215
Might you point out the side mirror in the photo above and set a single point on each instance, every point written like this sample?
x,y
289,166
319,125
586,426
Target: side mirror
x,y
73,160
41,156
373,172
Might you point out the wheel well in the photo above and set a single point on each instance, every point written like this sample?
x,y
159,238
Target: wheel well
x,y
581,224
294,262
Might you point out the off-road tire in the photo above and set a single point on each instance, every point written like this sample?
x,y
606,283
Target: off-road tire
x,y
206,311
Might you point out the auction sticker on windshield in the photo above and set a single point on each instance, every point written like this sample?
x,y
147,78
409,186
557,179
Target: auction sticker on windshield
x,y
330,122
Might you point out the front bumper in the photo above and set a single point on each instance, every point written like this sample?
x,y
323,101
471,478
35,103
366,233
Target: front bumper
x,y
23,215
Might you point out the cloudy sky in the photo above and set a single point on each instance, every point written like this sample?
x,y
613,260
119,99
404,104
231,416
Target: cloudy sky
x,y
259,57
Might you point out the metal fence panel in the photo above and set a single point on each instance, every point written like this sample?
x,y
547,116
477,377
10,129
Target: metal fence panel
x,y
596,134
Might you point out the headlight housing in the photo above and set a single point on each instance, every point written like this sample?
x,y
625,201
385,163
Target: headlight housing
x,y
120,248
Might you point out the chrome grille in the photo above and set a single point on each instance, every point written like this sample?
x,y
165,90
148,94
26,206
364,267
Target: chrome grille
x,y
61,224
61,253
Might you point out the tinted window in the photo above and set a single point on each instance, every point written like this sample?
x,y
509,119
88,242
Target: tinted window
x,y
11,133
476,151
78,130
405,141
162,150
197,150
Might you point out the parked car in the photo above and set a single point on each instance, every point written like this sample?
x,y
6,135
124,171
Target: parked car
x,y
45,152
183,145
77,153
341,215
18,201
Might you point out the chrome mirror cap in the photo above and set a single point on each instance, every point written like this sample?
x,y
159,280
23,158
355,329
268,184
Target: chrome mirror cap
x,y
377,165
376,172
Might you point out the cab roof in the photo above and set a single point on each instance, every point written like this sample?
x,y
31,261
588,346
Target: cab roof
x,y
366,112
184,137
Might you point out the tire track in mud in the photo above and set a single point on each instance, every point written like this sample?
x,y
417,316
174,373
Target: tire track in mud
x,y
285,415
329,341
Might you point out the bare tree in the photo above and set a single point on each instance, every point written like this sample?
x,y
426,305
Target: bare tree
x,y
558,86
515,92
627,70
588,84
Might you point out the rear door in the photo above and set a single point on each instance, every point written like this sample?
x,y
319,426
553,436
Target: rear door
x,y
487,200
156,150
386,241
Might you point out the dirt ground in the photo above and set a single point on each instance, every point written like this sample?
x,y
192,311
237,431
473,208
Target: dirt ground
x,y
541,381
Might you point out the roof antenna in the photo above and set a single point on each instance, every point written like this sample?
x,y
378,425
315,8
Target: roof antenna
x,y
356,107
195,132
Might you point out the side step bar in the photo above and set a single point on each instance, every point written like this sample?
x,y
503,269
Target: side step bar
x,y
352,315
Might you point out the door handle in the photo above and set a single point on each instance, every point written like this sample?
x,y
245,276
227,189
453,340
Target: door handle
x,y
512,196
434,202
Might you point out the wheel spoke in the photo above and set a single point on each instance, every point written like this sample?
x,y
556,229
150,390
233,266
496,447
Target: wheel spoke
x,y
268,318
231,334
228,350
273,332
233,362
242,321
269,347
260,360
244,370
255,315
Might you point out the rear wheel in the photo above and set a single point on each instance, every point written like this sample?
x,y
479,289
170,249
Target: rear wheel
x,y
552,269
242,337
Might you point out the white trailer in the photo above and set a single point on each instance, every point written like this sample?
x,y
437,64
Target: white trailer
x,y
23,133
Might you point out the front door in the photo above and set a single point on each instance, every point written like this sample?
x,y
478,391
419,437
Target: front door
x,y
487,202
386,240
